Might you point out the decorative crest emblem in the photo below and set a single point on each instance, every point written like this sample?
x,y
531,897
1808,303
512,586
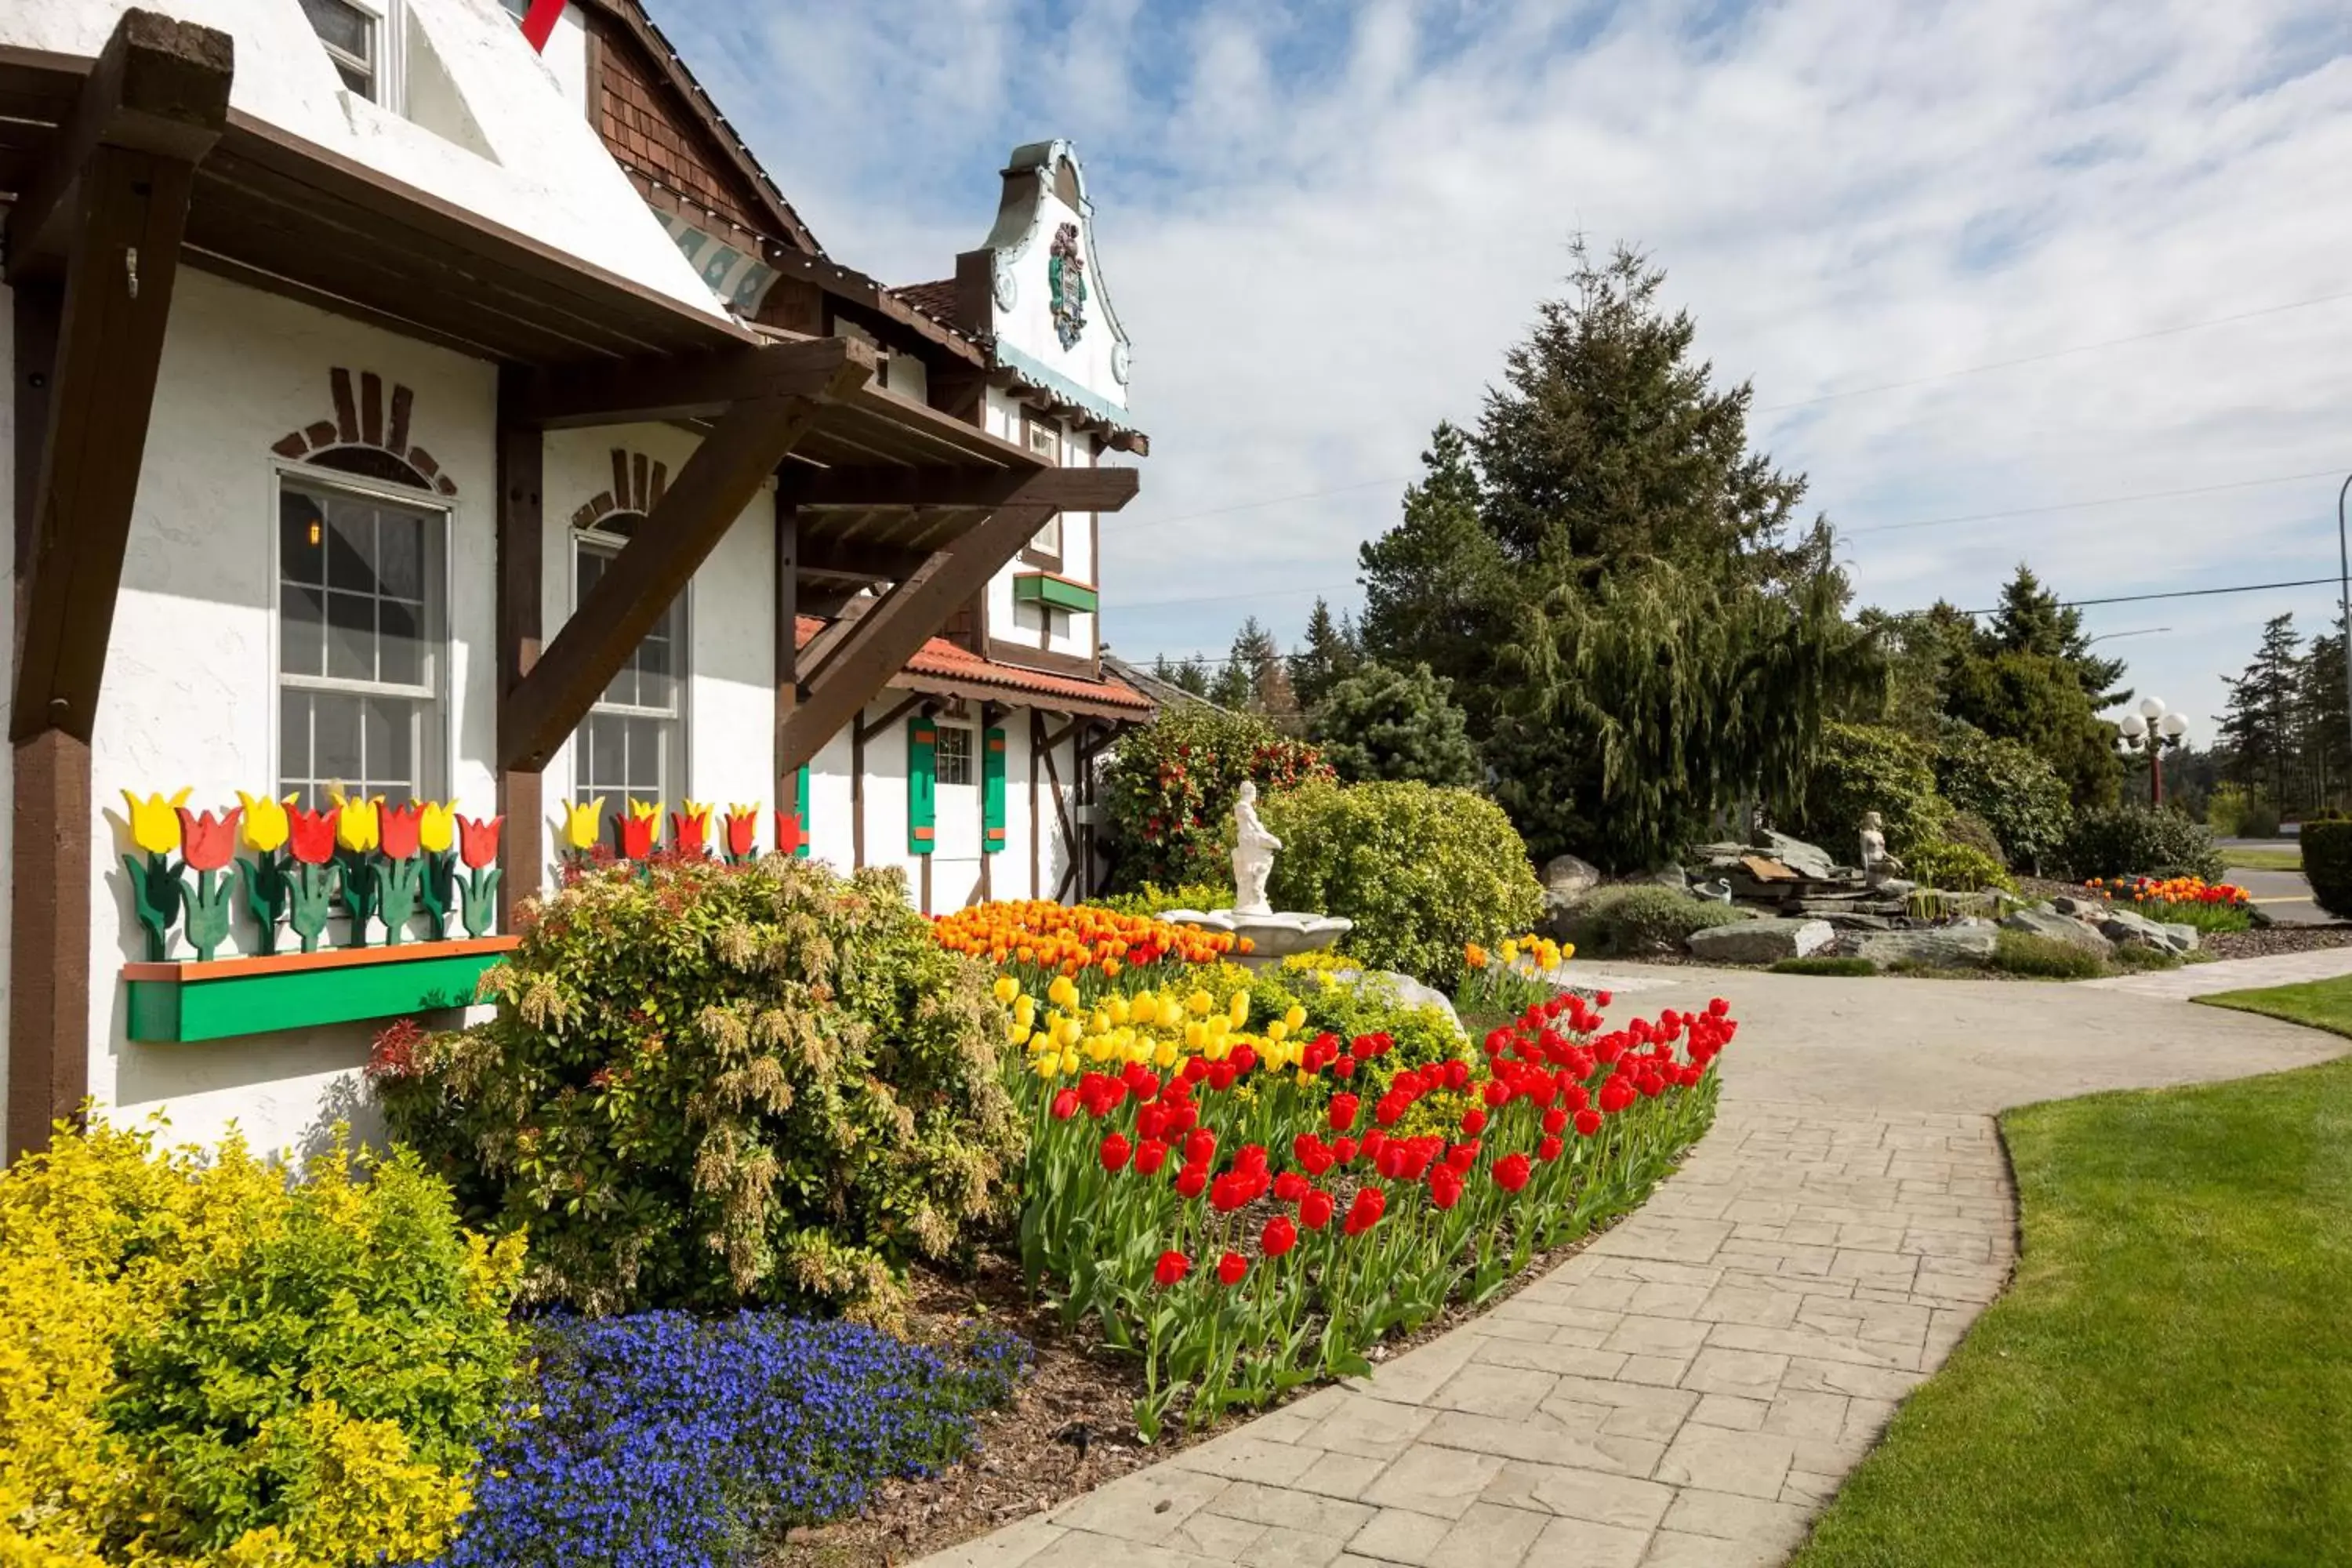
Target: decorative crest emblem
x,y
1065,284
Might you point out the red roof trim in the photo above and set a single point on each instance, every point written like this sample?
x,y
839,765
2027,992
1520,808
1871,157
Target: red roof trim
x,y
945,660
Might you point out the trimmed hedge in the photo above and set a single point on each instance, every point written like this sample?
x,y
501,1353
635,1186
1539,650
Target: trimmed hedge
x,y
2135,841
2327,862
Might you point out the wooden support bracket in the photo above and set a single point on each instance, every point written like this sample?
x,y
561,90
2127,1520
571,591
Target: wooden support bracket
x,y
697,386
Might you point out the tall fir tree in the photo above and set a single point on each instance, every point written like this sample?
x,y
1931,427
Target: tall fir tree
x,y
2030,619
1329,655
1437,588
2259,723
2325,724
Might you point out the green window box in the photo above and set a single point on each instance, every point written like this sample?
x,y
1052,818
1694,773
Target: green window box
x,y
232,997
1055,593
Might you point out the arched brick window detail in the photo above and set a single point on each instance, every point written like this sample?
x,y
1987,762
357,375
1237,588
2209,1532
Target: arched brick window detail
x,y
638,484
367,436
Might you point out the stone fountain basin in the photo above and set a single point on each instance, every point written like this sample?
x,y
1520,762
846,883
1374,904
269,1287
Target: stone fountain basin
x,y
1272,937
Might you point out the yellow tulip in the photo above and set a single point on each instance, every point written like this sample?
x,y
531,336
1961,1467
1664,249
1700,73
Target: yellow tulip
x,y
358,828
1296,1018
437,828
1006,989
1069,1062
1239,1008
583,822
1198,1004
1164,1054
1024,1008
1119,1010
1015,1035
265,827
1510,950
155,822
1276,1030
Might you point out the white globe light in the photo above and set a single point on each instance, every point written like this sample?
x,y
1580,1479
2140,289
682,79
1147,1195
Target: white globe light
x,y
2151,707
2133,725
2174,725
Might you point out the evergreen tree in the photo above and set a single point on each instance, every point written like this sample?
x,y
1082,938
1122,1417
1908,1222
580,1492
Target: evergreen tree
x,y
2258,726
2038,699
1385,723
1232,686
1191,676
1437,589
1329,655
2326,740
2030,619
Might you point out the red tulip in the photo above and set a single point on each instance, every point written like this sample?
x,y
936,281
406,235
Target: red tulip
x,y
1173,1268
313,833
1555,1120
1290,1186
1343,1150
207,843
1445,1186
477,841
400,823
1511,1173
1065,1105
1280,1235
1115,1152
1200,1146
1549,1149
1191,1181
742,832
1150,1155
1343,1111
1474,1122
1366,1211
1588,1122
1231,1268
1315,1210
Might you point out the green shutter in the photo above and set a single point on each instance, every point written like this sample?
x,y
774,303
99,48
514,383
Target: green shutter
x,y
801,809
991,791
923,783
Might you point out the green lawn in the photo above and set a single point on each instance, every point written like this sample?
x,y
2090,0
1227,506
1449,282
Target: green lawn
x,y
2168,1380
2281,858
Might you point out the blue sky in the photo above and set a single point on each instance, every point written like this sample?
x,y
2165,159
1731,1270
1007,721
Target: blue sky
x,y
1324,223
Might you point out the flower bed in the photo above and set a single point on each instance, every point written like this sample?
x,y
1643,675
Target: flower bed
x,y
1035,941
2179,901
1250,1210
663,1440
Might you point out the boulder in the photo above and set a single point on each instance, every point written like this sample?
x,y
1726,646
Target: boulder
x,y
2126,928
1567,878
2059,928
1411,992
1966,946
2084,908
1810,861
1761,942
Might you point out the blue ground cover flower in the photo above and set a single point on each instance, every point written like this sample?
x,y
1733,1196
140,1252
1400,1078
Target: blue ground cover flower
x,y
668,1440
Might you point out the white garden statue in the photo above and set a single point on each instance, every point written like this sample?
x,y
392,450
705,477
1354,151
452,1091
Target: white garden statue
x,y
1254,849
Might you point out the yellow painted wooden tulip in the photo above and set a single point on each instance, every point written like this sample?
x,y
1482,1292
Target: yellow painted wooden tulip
x,y
266,827
358,825
155,822
645,810
437,828
583,822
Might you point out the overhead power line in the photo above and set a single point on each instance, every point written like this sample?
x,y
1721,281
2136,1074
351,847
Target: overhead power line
x,y
1214,660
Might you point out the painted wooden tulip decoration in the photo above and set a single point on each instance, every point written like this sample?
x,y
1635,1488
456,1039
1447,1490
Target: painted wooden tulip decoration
x,y
689,832
400,873
638,829
479,843
358,831
312,843
436,832
742,834
155,882
207,844
263,872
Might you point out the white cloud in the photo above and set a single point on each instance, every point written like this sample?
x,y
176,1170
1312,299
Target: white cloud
x,y
1325,225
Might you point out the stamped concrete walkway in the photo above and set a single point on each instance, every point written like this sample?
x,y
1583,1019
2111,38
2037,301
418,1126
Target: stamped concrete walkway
x,y
2233,974
1692,1386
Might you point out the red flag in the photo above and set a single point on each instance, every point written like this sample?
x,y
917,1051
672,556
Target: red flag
x,y
539,24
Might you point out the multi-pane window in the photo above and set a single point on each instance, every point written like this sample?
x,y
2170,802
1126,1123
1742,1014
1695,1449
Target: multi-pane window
x,y
951,758
632,745
360,592
353,42
1045,440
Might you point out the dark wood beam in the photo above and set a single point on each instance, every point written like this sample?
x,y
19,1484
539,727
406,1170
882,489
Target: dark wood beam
x,y
691,386
124,217
48,959
159,89
708,494
859,561
787,630
838,684
1062,490
521,608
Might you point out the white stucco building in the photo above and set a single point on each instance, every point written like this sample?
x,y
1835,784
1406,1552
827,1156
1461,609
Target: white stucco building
x,y
401,410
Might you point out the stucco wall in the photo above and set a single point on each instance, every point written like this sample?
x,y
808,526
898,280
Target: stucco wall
x,y
1008,621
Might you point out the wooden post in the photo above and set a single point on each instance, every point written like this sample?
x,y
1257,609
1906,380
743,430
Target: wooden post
x,y
788,680
93,253
521,610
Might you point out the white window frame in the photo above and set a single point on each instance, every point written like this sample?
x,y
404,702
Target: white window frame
x,y
436,738
971,749
1046,540
676,779
388,53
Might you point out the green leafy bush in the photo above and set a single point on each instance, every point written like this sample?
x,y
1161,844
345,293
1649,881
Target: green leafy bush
x,y
1635,918
1956,869
1169,790
1152,898
1971,831
201,1364
2232,813
1381,722
1841,968
1421,871
2006,785
2328,863
2043,958
2131,956
708,1086
2135,841
1868,767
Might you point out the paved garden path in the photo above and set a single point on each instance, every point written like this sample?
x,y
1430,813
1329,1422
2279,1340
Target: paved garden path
x,y
2233,974
1691,1387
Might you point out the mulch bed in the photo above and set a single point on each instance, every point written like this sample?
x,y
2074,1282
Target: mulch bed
x,y
2276,940
1068,1428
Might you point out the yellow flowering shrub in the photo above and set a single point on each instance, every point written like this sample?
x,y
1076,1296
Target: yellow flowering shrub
x,y
206,1365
